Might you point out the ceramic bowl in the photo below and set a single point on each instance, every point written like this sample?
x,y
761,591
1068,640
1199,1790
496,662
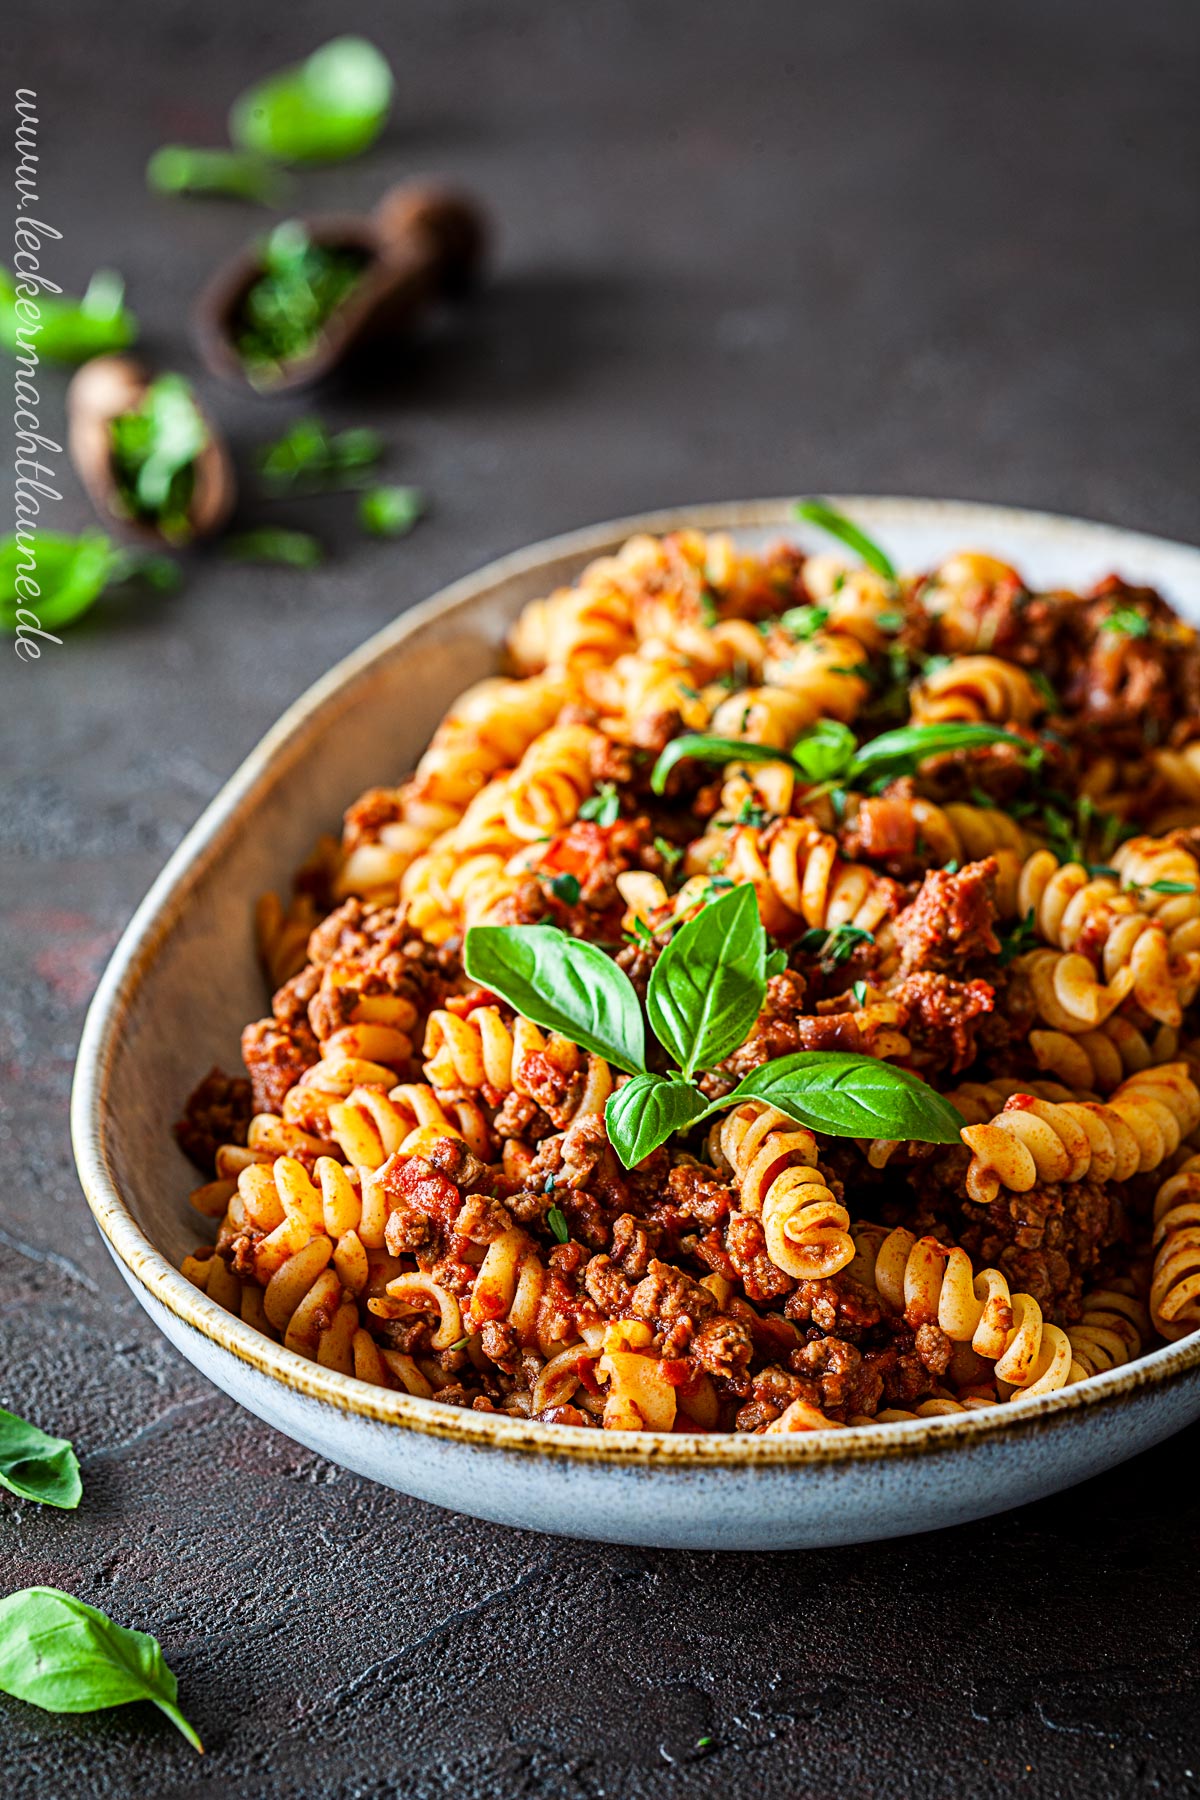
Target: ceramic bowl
x,y
185,976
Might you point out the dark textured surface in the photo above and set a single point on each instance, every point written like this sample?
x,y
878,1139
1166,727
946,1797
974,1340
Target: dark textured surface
x,y
748,249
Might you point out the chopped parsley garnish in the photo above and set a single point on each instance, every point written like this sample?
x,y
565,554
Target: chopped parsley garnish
x,y
1169,887
566,889
835,946
859,991
751,813
804,621
558,1224
1045,688
1128,621
603,807
1021,938
671,854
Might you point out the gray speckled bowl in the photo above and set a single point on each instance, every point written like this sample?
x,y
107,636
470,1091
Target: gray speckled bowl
x,y
185,977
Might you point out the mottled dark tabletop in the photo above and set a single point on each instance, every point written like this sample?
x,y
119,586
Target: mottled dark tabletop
x,y
744,249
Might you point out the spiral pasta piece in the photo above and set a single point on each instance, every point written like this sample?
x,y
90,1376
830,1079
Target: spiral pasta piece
x,y
1166,879
1102,1059
801,879
1035,1140
774,1162
480,1053
1111,1331
371,1125
976,688
488,729
1175,1277
1071,908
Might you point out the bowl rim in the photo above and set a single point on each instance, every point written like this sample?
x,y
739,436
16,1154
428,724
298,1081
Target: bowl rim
x,y
269,763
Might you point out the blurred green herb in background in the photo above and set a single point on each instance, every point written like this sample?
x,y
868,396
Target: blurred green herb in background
x,y
390,511
68,330
331,106
154,451
232,174
286,307
294,549
310,458
71,573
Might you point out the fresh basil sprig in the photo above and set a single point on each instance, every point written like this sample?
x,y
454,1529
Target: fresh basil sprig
x,y
330,106
36,1466
706,991
829,751
817,513
66,1657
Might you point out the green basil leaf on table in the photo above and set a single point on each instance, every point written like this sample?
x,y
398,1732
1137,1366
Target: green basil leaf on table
x,y
562,984
67,1657
646,1112
844,1095
331,106
229,174
816,512
36,1466
64,330
707,987
710,749
69,574
292,549
390,511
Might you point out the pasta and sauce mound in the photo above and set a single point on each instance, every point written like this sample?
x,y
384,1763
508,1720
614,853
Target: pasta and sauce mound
x,y
826,1053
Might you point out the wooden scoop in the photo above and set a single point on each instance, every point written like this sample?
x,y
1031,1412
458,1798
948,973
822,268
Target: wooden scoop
x,y
423,243
102,390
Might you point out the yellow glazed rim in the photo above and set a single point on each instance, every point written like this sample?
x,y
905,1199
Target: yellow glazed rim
x,y
269,764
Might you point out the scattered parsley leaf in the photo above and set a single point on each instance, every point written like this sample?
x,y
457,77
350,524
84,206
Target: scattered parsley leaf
x,y
1128,621
816,512
390,511
231,174
294,549
603,807
556,1220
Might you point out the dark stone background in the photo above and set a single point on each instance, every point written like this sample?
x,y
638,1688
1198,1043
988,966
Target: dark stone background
x,y
743,249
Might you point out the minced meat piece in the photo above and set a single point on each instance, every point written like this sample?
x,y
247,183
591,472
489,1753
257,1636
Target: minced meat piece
x,y
276,1056
952,920
217,1112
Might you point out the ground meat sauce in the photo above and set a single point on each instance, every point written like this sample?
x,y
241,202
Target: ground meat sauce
x,y
531,1263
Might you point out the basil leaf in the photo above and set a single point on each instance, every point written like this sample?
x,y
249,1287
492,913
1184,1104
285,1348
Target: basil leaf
x,y
60,328
776,963
707,987
709,749
36,1466
69,573
232,174
563,984
903,749
851,1096
331,106
66,1657
817,513
826,750
390,511
646,1112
